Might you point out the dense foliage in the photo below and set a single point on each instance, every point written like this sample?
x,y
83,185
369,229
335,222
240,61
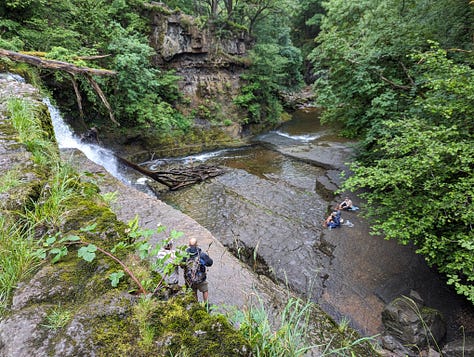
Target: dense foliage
x,y
400,75
107,34
275,63
276,68
114,34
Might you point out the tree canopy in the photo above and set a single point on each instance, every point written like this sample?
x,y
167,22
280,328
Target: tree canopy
x,y
399,75
97,34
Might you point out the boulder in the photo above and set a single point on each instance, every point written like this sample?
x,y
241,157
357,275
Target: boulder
x,y
409,326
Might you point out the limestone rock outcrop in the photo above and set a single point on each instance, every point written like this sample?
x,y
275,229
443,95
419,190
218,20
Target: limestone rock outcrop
x,y
209,65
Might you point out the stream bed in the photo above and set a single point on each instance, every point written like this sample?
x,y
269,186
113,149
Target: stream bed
x,y
267,210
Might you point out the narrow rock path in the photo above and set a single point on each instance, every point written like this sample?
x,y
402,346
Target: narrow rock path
x,y
231,283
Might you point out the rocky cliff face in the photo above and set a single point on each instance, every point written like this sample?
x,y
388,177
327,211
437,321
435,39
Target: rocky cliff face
x,y
210,66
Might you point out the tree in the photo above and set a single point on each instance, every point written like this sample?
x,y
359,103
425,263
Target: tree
x,y
414,115
362,52
306,25
275,64
421,188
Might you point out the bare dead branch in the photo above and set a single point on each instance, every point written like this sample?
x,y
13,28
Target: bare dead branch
x,y
407,74
177,178
399,86
68,68
78,95
102,97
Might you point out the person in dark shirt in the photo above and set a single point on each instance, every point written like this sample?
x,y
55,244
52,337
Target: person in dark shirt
x,y
200,275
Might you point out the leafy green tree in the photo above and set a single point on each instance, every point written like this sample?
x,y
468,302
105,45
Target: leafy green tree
x,y
414,115
362,55
275,68
421,188
305,27
115,34
141,88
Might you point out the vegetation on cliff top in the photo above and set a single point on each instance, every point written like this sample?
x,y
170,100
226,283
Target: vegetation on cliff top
x,y
114,35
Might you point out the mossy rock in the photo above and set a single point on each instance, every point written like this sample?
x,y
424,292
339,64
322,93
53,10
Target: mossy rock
x,y
185,327
85,212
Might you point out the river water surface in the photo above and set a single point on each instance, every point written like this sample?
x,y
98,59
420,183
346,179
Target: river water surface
x,y
268,211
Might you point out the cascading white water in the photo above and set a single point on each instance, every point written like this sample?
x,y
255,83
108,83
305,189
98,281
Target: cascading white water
x,y
68,140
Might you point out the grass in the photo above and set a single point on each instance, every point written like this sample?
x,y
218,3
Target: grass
x,y
144,310
17,243
16,258
24,120
57,318
430,338
52,205
347,350
287,339
110,197
27,122
9,180
288,335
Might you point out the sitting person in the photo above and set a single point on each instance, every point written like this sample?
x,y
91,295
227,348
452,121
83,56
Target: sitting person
x,y
334,220
346,204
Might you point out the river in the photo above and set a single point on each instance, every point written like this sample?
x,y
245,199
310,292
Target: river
x,y
268,210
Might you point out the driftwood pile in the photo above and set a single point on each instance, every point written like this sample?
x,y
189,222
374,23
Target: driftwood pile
x,y
176,178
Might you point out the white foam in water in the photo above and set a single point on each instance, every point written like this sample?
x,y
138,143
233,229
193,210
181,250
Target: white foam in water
x,y
202,157
142,181
67,140
155,164
304,138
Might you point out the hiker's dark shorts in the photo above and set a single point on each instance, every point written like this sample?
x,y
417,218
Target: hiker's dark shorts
x,y
203,287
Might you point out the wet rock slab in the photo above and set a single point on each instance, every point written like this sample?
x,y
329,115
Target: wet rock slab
x,y
366,271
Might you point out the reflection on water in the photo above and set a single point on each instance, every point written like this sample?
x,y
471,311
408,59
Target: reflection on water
x,y
256,160
260,161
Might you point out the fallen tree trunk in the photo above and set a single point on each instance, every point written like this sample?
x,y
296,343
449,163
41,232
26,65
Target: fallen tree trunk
x,y
69,68
54,65
177,178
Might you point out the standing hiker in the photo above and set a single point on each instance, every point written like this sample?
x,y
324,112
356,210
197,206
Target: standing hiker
x,y
195,269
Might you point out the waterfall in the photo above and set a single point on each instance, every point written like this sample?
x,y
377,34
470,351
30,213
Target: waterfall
x,y
68,140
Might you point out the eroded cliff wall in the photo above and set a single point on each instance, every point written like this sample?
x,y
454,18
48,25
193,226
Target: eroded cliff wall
x,y
209,66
